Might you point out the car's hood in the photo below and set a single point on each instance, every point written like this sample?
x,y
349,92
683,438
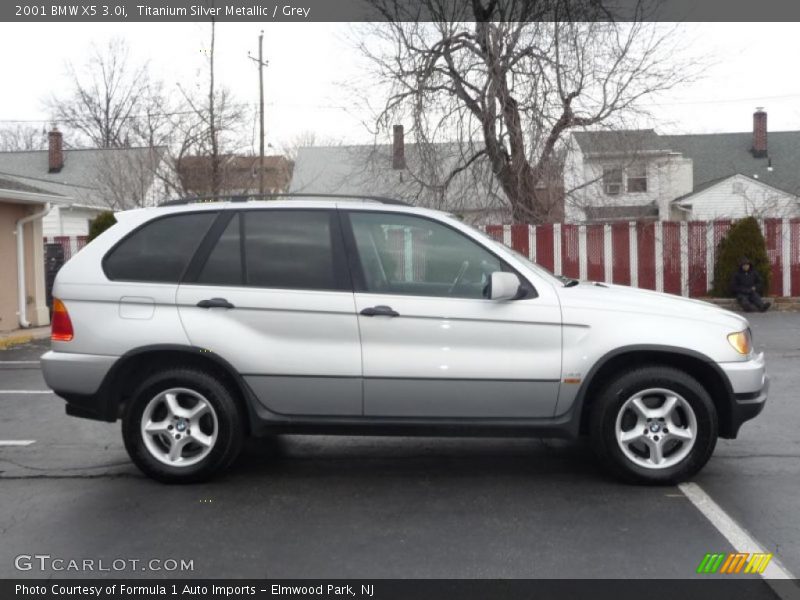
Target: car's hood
x,y
606,296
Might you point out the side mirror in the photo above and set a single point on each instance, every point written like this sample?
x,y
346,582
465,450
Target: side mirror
x,y
504,286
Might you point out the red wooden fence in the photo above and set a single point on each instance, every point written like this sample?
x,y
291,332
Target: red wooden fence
x,y
70,244
674,257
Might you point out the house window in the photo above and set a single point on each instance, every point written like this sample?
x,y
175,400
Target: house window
x,y
637,178
612,181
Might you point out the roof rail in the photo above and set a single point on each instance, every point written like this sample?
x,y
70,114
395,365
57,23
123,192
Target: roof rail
x,y
298,196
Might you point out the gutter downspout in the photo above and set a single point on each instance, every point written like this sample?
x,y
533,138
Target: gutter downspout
x,y
21,304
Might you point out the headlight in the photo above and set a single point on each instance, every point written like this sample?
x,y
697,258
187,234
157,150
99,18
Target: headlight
x,y
741,342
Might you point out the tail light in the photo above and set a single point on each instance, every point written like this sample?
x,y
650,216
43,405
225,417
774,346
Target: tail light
x,y
61,327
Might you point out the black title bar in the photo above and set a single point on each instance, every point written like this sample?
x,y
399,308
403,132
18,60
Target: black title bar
x,y
731,588
380,10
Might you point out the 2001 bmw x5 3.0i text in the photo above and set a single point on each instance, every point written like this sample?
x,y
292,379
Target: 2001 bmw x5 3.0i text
x,y
200,324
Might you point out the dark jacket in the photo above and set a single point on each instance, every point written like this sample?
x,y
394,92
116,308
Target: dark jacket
x,y
743,281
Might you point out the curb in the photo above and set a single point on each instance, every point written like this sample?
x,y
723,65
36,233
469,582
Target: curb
x,y
19,337
14,340
779,304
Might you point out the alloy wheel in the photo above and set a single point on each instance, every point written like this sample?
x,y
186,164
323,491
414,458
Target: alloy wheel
x,y
179,427
656,428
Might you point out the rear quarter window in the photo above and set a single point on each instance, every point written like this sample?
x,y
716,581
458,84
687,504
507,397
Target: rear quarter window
x,y
159,250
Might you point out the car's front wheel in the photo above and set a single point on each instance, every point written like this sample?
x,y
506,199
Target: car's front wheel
x,y
181,426
654,425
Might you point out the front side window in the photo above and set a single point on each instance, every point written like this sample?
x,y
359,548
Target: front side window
x,y
401,254
612,181
637,178
160,250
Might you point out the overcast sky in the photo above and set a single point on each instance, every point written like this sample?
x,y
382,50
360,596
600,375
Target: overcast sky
x,y
752,64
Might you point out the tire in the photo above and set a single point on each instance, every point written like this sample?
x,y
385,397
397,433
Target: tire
x,y
628,443
158,421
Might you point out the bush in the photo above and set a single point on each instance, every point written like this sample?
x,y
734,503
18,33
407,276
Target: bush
x,y
744,239
100,223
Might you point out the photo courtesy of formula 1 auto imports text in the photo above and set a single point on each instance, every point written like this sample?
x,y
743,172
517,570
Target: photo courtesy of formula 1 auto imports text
x,y
391,299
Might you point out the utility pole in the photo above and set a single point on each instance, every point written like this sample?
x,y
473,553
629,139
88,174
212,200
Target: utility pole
x,y
261,64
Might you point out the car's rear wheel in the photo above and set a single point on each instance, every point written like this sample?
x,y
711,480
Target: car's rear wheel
x,y
182,425
655,425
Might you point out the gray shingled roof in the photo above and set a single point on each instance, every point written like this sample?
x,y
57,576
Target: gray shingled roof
x,y
719,155
367,170
16,186
625,142
77,179
715,156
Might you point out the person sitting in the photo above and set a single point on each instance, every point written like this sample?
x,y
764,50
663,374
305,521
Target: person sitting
x,y
746,285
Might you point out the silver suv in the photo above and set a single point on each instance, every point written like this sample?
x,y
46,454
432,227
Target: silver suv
x,y
199,324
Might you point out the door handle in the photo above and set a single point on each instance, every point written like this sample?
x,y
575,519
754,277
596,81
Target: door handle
x,y
380,311
215,303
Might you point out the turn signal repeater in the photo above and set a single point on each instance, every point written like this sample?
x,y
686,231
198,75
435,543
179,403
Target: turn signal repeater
x,y
740,342
61,327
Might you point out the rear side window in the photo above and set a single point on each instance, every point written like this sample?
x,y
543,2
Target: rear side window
x,y
160,250
291,249
225,264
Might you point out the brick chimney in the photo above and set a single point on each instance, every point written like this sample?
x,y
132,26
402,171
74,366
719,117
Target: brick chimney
x,y
398,148
759,148
55,151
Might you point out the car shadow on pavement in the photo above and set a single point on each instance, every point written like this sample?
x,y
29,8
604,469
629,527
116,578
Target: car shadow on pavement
x,y
410,458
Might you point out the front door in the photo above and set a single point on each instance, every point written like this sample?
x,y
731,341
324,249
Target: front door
x,y
273,297
432,344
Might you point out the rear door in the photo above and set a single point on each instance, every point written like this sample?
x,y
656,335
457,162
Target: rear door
x,y
433,345
273,297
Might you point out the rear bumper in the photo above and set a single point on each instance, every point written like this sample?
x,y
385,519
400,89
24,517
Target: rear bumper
x,y
750,387
78,378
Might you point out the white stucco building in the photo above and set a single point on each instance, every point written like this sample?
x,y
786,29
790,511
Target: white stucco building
x,y
639,174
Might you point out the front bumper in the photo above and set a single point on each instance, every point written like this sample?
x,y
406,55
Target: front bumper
x,y
750,386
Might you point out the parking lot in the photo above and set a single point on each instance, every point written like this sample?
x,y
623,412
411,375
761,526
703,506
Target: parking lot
x,y
324,507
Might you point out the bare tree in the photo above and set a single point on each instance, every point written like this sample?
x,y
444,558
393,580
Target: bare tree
x,y
213,129
125,179
291,147
107,94
506,80
22,137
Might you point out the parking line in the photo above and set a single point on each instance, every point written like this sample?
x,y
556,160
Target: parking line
x,y
26,391
739,538
19,362
17,442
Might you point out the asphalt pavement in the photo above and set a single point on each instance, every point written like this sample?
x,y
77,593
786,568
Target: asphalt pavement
x,y
370,507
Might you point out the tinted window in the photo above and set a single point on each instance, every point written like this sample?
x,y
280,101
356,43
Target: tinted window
x,y
401,254
160,250
289,249
224,264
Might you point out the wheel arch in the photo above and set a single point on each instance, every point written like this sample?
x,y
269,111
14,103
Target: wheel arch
x,y
707,372
136,364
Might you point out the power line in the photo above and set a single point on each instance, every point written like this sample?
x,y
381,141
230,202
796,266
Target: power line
x,y
726,100
174,113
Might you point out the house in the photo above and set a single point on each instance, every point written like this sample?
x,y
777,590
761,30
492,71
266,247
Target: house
x,y
237,174
424,175
95,179
22,282
639,174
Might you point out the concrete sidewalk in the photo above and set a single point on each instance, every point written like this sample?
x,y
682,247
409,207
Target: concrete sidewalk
x,y
780,303
22,336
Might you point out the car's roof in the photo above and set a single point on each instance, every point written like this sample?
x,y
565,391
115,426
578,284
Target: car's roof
x,y
294,202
